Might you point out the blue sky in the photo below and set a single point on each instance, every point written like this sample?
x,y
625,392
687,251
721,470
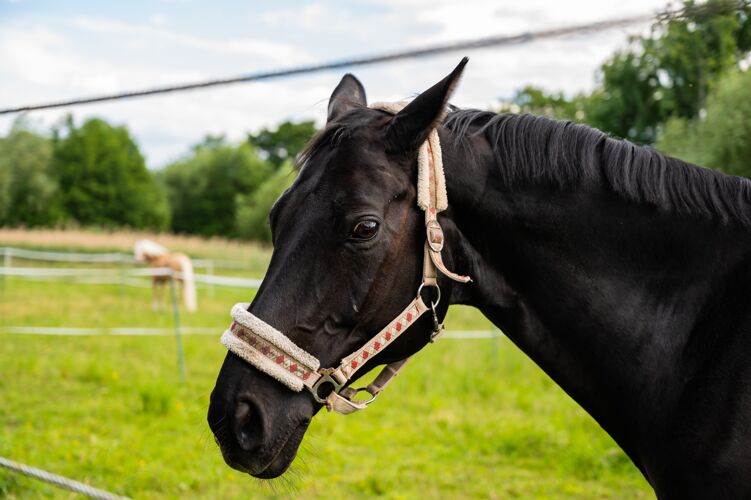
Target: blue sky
x,y
55,50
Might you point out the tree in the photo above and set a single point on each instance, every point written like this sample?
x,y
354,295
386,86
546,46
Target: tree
x,y
670,72
253,210
536,101
28,188
284,143
721,137
103,178
204,187
657,77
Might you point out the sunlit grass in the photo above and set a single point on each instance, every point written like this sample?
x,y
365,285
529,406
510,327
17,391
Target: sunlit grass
x,y
467,418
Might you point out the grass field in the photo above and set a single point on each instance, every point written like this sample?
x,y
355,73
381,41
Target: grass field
x,y
111,411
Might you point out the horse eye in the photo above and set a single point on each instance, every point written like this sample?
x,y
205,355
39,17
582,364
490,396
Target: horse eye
x,y
365,230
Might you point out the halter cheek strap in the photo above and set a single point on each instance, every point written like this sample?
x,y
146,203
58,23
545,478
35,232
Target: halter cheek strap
x,y
272,352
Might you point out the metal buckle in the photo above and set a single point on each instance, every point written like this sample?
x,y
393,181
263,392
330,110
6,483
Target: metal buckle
x,y
325,378
437,327
434,235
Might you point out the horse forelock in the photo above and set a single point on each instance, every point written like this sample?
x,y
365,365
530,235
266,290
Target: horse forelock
x,y
147,249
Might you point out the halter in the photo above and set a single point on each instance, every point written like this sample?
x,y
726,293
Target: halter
x,y
272,352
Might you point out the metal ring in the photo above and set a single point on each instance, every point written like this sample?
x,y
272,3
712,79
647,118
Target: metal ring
x,y
365,389
438,290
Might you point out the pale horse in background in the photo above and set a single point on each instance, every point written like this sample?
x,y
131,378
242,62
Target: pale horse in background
x,y
156,256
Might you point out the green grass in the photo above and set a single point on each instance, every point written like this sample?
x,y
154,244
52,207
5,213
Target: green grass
x,y
468,418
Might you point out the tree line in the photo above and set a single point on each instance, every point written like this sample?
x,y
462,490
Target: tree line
x,y
93,174
684,88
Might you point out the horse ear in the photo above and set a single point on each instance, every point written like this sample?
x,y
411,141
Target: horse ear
x,y
411,126
348,95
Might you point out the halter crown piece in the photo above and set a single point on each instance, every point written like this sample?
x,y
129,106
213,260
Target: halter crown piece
x,y
272,352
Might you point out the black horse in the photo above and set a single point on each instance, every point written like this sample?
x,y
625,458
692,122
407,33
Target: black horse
x,y
624,274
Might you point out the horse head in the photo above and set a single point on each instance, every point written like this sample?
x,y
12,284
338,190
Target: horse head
x,y
349,242
146,250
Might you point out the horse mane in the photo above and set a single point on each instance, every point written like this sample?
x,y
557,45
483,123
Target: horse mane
x,y
536,149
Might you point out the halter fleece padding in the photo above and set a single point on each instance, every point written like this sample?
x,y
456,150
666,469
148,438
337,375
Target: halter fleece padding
x,y
423,165
274,337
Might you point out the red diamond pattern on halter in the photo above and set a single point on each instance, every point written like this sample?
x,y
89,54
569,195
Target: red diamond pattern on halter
x,y
269,351
398,326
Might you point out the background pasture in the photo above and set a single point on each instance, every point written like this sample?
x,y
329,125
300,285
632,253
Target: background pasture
x,y
111,410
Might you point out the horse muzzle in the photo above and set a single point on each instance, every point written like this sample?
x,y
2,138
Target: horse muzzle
x,y
257,423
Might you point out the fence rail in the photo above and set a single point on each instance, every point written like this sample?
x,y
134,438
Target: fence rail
x,y
131,277
122,276
48,256
195,330
9,253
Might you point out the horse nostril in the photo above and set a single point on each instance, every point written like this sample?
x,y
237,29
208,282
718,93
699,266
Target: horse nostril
x,y
247,426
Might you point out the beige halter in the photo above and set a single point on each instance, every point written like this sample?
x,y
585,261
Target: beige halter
x,y
275,354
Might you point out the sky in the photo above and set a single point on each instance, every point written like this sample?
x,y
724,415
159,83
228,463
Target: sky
x,y
51,50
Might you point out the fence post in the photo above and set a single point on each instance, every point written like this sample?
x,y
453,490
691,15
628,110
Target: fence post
x,y
121,268
6,264
495,349
210,272
178,337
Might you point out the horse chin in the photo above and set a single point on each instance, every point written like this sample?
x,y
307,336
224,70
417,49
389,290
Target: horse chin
x,y
281,460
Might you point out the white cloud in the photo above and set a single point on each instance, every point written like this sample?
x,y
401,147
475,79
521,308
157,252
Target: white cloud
x,y
157,19
149,34
41,62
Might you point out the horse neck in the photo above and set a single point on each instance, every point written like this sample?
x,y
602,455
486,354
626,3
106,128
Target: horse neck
x,y
610,298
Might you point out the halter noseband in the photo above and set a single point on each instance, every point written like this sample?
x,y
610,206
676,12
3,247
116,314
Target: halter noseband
x,y
275,354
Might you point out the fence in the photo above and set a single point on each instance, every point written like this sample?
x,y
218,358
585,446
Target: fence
x,y
121,276
59,481
132,277
110,257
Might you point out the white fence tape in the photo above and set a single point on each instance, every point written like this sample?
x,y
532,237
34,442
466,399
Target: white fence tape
x,y
199,330
120,276
110,257
123,331
66,256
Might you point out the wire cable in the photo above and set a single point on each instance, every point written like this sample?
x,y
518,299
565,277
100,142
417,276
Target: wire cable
x,y
59,481
479,43
692,11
